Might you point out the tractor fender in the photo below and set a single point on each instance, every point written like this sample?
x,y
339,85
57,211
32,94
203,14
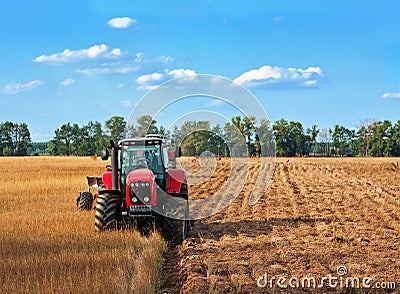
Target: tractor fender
x,y
107,179
175,179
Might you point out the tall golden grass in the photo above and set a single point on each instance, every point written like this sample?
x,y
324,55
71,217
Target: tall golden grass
x,y
48,246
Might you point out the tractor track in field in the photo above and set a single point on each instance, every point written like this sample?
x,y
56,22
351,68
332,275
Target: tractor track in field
x,y
316,214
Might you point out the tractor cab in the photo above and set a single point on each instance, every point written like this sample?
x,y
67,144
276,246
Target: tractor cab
x,y
143,153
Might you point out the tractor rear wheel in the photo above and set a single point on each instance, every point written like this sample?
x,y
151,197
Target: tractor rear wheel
x,y
85,201
106,216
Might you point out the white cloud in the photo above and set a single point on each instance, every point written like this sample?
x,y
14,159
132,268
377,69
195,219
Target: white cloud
x,y
310,83
139,57
67,82
116,52
150,81
123,63
146,87
15,88
107,69
144,79
179,73
126,103
68,55
121,22
166,59
96,50
391,95
120,86
268,76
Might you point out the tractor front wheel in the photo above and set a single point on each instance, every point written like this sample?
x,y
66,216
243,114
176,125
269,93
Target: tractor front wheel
x,y
106,216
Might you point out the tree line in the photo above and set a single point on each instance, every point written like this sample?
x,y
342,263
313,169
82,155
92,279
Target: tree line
x,y
241,136
15,139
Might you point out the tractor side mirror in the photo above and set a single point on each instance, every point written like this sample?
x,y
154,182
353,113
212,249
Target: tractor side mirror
x,y
178,152
104,154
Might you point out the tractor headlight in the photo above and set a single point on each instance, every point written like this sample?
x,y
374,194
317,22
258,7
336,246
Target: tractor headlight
x,y
147,184
134,200
143,184
146,199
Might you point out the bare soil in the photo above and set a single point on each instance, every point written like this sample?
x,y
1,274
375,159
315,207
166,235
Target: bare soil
x,y
318,214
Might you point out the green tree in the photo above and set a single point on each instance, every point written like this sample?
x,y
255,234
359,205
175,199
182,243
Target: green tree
x,y
216,142
282,139
6,139
62,140
38,148
146,125
381,140
297,139
396,138
196,135
265,138
290,138
312,134
364,135
22,139
96,136
15,138
339,139
234,139
116,127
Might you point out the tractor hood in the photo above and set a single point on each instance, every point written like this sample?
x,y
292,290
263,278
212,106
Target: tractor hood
x,y
141,174
140,184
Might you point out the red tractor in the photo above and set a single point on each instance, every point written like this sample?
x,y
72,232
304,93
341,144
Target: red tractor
x,y
144,188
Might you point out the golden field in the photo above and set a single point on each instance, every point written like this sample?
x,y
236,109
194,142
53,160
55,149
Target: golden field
x,y
318,214
48,246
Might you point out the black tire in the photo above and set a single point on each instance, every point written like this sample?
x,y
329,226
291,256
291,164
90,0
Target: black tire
x,y
85,201
185,191
106,216
175,230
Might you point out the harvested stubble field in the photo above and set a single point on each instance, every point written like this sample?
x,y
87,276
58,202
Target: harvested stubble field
x,y
48,246
317,214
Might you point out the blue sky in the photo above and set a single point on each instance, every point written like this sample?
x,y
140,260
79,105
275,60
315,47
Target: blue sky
x,y
321,62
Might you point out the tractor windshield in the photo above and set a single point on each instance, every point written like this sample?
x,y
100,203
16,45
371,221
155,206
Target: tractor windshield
x,y
141,156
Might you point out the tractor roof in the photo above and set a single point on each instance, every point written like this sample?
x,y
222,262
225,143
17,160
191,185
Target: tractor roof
x,y
150,140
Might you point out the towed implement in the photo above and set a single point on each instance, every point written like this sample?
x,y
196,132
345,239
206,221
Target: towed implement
x,y
85,199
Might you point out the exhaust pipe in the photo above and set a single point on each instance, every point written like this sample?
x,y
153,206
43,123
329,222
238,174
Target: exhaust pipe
x,y
114,165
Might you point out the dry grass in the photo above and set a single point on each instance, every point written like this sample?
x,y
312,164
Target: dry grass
x,y
48,246
316,215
